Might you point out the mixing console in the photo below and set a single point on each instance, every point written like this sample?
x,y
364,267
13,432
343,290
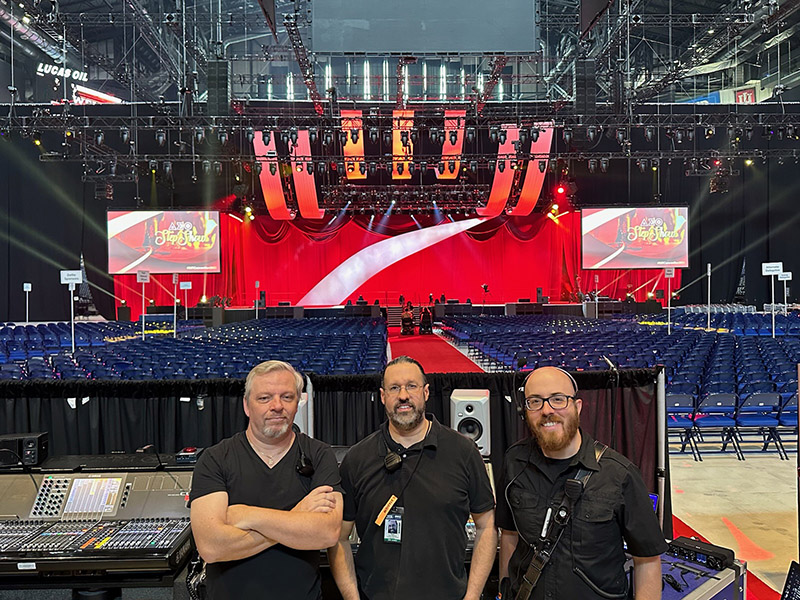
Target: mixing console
x,y
100,524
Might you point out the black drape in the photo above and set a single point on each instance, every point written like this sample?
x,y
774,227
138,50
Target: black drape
x,y
99,417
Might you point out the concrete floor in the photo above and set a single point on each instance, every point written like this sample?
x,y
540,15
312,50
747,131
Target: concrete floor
x,y
748,506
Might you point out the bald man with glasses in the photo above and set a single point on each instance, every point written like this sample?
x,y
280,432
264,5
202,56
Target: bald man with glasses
x,y
409,489
566,504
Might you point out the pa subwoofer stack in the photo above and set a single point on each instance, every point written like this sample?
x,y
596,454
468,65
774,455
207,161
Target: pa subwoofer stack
x,y
469,415
28,449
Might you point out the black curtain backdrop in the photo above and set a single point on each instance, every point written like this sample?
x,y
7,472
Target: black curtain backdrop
x,y
104,417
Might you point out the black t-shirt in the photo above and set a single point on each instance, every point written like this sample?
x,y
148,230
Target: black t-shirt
x,y
448,484
615,506
279,572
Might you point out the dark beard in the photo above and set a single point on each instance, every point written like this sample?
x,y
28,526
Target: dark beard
x,y
548,443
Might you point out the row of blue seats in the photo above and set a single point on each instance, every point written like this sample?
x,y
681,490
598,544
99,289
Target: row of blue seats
x,y
764,415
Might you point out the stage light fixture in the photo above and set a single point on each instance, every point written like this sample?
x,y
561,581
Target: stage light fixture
x,y
217,167
690,134
404,138
453,137
566,134
223,137
124,134
535,134
299,167
522,135
642,164
501,165
790,132
709,132
167,166
748,132
354,135
561,191
542,166
99,137
293,135
451,166
153,166
654,164
502,136
620,136
387,138
591,133
373,168
492,165
470,134
604,165
440,166
649,133
310,168
257,167
411,168
161,137
322,166
493,134
413,136
731,132
362,168
350,167
312,135
679,136
473,166
781,131
206,167
36,136
327,138
433,134
592,165
399,168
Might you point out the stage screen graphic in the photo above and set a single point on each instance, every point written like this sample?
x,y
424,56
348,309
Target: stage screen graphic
x,y
163,241
652,237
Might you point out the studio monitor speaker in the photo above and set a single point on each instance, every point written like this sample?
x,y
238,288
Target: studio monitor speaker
x,y
469,415
29,449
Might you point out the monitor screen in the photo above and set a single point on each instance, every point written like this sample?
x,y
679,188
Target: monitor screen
x,y
93,496
652,237
163,241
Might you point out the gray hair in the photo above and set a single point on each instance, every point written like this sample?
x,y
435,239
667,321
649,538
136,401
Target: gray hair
x,y
270,366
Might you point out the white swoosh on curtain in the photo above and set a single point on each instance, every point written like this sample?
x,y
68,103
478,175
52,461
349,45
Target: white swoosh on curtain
x,y
346,278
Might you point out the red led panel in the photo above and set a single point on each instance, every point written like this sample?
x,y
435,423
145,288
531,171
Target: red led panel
x,y
502,181
304,188
454,120
534,178
353,152
271,185
402,120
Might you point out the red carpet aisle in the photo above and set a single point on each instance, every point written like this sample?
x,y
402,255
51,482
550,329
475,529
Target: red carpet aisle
x,y
433,353
756,589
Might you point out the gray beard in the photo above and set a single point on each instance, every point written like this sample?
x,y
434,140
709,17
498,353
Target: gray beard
x,y
406,422
275,432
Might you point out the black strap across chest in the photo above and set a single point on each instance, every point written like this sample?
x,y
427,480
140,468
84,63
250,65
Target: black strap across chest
x,y
554,525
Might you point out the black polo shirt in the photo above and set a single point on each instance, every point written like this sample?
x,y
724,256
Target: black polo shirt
x,y
449,483
278,572
615,506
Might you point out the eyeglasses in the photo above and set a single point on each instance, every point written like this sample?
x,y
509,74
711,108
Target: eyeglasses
x,y
411,389
556,402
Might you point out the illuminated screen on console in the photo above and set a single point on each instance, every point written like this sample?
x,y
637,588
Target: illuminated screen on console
x,y
166,241
652,237
93,496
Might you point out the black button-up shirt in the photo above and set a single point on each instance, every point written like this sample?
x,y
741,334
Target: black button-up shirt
x,y
449,483
588,562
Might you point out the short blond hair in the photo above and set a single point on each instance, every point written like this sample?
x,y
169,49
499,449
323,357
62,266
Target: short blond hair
x,y
270,366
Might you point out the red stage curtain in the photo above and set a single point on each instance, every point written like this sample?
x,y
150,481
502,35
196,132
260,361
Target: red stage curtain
x,y
514,256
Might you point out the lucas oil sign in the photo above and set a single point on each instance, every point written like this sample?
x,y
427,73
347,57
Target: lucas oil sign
x,y
56,71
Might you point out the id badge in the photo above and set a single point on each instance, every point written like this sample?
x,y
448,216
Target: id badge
x,y
393,526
